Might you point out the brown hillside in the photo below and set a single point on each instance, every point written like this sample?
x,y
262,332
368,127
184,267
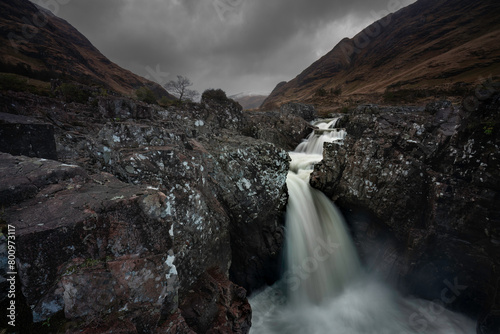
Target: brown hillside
x,y
427,46
37,43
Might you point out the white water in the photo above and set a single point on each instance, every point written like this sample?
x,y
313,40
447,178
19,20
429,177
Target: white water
x,y
324,289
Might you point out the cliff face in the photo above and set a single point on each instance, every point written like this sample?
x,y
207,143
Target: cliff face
x,y
43,45
429,45
420,188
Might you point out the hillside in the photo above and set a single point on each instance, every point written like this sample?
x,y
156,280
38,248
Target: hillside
x,y
427,48
37,44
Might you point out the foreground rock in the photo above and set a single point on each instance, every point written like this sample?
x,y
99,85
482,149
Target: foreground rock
x,y
75,254
421,188
154,208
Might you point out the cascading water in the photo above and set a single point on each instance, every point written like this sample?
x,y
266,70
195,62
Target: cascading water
x,y
324,289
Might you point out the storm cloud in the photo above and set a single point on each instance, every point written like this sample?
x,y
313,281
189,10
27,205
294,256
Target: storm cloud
x,y
236,45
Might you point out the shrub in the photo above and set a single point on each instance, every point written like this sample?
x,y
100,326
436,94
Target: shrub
x,y
146,95
74,93
321,92
13,82
336,92
217,95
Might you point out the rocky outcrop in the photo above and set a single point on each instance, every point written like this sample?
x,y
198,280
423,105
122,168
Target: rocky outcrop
x,y
75,253
285,130
426,184
180,200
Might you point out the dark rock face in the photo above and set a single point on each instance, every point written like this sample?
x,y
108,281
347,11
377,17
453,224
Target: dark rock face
x,y
217,306
75,253
305,111
432,178
165,201
285,130
21,135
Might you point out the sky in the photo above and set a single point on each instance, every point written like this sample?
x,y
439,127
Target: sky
x,y
240,46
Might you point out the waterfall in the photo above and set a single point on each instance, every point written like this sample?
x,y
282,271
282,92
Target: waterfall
x,y
319,250
324,288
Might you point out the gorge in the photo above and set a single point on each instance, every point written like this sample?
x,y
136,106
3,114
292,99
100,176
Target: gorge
x,y
324,288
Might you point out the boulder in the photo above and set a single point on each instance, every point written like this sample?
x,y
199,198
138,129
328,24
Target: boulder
x,y
74,249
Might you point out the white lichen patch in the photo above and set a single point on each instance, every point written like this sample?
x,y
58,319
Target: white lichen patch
x,y
170,262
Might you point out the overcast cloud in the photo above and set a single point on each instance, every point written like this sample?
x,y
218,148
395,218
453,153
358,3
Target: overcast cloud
x,y
236,45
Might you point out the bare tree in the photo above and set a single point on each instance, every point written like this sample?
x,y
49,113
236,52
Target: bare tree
x,y
180,88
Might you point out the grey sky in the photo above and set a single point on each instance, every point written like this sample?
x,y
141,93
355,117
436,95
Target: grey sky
x,y
236,45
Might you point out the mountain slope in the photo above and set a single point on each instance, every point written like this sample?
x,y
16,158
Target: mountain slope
x,y
39,44
249,101
427,45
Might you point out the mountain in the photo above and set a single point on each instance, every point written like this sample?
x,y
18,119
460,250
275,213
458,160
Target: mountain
x,y
37,44
249,101
429,47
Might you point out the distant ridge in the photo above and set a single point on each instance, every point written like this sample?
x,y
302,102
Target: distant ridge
x,y
438,45
249,101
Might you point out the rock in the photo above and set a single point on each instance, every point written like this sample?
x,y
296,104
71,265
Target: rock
x,y
20,135
432,178
306,111
123,108
74,251
251,183
188,175
283,130
175,324
217,306
237,185
489,323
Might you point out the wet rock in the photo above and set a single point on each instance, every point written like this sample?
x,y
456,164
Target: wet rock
x,y
431,177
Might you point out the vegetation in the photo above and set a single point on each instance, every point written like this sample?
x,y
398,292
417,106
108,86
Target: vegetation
x,y
217,95
13,82
321,92
405,95
74,93
164,101
26,71
146,95
18,83
488,128
336,92
180,88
